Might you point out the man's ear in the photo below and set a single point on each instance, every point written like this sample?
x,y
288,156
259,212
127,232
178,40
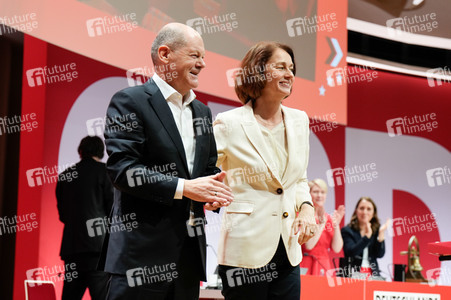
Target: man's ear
x,y
163,53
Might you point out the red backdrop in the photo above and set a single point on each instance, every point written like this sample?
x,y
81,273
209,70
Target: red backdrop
x,y
370,105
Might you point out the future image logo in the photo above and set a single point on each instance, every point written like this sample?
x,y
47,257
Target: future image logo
x,y
51,74
438,176
214,24
411,24
438,75
39,176
411,124
136,77
117,223
241,276
96,227
352,174
55,273
135,277
25,23
110,25
313,24
196,227
147,175
154,274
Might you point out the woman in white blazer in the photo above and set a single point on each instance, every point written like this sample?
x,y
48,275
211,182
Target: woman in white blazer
x,y
264,148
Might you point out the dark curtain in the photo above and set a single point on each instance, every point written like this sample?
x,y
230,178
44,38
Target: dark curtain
x,y
11,62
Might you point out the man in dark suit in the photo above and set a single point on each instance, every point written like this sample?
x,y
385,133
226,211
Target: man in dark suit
x,y
164,171
84,196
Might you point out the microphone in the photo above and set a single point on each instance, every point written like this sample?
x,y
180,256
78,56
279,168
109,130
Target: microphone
x,y
317,260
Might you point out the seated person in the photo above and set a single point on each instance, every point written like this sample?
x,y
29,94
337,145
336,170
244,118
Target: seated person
x,y
364,238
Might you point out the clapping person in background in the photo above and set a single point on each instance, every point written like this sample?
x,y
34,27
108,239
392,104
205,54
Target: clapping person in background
x,y
328,237
364,238
264,147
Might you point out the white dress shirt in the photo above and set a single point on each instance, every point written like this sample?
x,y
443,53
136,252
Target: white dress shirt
x,y
365,259
183,116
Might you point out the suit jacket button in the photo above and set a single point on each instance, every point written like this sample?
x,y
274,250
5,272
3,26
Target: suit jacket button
x,y
285,215
279,191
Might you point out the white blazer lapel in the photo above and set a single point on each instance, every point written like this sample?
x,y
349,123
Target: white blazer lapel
x,y
255,136
292,127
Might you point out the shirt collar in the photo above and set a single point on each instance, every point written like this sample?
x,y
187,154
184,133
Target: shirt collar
x,y
170,94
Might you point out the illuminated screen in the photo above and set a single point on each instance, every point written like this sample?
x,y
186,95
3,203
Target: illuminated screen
x,y
120,33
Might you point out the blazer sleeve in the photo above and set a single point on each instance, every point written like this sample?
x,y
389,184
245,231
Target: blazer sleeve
x,y
213,156
378,247
303,190
127,149
221,133
353,245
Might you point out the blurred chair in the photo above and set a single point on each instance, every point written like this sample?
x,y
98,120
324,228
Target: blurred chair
x,y
39,290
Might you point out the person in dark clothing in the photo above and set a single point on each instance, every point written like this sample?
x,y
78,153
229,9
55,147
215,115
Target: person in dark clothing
x,y
84,203
363,238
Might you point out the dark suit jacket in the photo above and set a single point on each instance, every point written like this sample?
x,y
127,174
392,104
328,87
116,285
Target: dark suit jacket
x,y
354,243
86,197
155,148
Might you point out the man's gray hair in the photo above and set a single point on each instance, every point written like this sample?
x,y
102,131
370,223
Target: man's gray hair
x,y
171,37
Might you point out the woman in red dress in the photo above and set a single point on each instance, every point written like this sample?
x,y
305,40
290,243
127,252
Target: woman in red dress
x,y
328,237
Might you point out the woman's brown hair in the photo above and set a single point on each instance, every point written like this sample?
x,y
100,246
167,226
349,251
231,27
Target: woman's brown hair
x,y
375,224
251,77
